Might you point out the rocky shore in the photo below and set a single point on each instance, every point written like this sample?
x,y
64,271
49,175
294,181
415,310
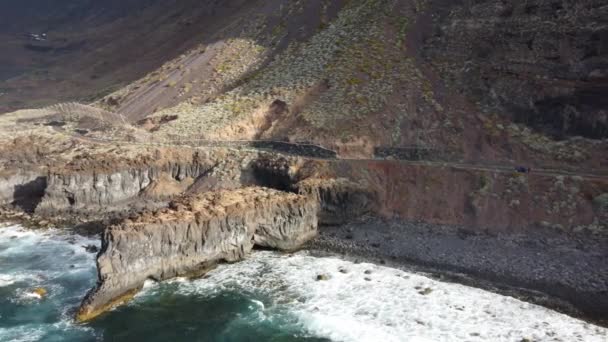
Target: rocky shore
x,y
567,272
192,235
158,206
291,120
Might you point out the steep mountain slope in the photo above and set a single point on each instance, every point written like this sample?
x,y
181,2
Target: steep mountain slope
x,y
366,76
543,62
94,47
489,81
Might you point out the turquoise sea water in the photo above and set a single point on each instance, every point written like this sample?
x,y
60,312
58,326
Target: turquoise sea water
x,y
59,263
268,297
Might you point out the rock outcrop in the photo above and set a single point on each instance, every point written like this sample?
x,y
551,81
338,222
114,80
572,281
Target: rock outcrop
x,y
81,191
22,189
193,234
541,62
340,199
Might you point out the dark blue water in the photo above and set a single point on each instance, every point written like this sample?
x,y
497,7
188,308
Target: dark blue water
x,y
268,297
225,316
59,264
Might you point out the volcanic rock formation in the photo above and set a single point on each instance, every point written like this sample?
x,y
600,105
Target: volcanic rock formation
x,y
193,234
406,110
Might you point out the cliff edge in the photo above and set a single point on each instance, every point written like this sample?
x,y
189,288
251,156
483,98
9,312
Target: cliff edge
x,y
192,235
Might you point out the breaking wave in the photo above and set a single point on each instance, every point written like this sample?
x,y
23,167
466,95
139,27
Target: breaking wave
x,y
269,296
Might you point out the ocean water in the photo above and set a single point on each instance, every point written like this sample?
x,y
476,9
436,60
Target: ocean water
x,y
268,297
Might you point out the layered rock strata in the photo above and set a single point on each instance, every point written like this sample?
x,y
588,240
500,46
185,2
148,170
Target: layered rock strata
x,y
540,62
340,199
81,190
193,234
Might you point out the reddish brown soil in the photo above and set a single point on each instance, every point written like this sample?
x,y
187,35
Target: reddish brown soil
x,y
482,199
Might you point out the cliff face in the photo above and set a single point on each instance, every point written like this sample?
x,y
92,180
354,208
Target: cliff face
x,y
193,234
23,189
543,63
483,199
89,191
340,200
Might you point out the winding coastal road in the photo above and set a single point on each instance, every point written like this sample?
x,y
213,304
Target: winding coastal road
x,y
316,152
412,155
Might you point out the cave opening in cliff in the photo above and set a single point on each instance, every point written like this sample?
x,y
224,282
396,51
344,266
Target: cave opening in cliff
x,y
27,196
273,179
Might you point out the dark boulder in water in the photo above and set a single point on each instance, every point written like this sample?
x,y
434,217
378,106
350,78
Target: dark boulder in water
x,y
91,248
322,277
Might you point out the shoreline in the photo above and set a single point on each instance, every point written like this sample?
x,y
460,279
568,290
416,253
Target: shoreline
x,y
367,241
544,273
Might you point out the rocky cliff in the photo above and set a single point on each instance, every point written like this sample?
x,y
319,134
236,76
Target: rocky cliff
x,y
193,234
22,189
89,191
542,63
340,199
498,200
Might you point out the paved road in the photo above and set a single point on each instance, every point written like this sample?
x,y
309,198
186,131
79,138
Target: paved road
x,y
317,152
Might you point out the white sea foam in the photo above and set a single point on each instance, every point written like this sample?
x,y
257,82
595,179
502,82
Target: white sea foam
x,y
382,305
50,254
258,304
10,279
6,280
20,240
40,332
31,259
149,283
387,304
149,288
30,295
25,333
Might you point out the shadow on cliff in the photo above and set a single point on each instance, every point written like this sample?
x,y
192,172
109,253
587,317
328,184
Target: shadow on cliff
x,y
272,179
27,196
578,114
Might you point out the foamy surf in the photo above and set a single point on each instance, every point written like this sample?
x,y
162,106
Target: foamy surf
x,y
22,334
43,274
269,295
10,279
365,302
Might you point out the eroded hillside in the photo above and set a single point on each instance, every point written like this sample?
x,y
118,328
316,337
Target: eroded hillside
x,y
462,80
392,87
92,48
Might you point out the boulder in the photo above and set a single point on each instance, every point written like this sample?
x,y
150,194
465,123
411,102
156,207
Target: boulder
x,y
40,292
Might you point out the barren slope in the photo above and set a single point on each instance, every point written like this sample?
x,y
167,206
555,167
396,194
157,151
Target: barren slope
x,y
371,80
375,76
93,47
